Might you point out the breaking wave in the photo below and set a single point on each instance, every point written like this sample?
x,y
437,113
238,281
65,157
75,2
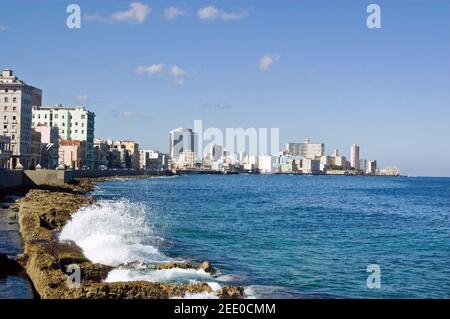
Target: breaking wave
x,y
114,233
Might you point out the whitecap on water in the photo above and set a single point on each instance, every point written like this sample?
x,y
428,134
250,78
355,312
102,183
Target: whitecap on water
x,y
113,233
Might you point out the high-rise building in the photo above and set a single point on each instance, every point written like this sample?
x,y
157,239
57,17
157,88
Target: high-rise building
x,y
371,167
354,159
182,140
16,100
306,149
73,123
216,152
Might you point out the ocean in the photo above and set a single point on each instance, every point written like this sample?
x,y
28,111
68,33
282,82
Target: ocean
x,y
279,236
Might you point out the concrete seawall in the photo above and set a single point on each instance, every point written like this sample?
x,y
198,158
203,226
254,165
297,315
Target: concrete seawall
x,y
16,179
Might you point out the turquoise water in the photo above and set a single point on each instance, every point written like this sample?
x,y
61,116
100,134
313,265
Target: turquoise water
x,y
292,236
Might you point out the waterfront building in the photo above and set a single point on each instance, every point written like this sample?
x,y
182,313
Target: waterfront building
x,y
306,149
354,158
133,150
289,166
101,149
153,161
324,162
49,146
181,140
73,123
310,166
389,171
371,167
72,153
268,164
363,165
337,160
186,160
5,151
35,148
16,100
216,152
251,163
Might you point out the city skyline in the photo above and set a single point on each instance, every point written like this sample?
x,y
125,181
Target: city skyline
x,y
343,84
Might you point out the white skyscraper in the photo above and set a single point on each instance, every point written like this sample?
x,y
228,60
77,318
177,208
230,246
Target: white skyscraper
x,y
216,152
16,100
306,149
182,140
354,160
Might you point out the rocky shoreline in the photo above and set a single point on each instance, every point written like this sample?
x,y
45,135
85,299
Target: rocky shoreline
x,y
42,213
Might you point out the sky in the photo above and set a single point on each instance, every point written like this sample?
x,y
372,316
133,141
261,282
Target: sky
x,y
311,68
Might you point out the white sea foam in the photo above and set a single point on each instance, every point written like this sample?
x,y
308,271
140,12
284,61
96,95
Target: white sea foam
x,y
113,233
117,233
163,275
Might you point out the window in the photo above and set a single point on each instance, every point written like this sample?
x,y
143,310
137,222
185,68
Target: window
x,y
14,100
63,124
14,118
6,109
83,117
76,131
14,108
82,131
62,131
56,116
6,99
76,123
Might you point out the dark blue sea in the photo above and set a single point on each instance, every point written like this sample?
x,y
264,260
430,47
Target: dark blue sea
x,y
278,236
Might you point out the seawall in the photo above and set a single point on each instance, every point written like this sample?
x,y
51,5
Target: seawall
x,y
11,180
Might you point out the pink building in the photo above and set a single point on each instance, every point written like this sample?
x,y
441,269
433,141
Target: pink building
x,y
49,145
72,153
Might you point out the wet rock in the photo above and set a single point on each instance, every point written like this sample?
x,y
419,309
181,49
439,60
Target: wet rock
x,y
206,266
174,264
42,213
231,293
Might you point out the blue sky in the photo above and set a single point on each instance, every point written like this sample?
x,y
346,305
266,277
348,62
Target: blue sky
x,y
331,79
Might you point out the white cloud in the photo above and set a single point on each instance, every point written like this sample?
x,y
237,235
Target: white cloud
x,y
173,12
177,71
3,28
212,13
208,13
179,74
267,60
151,69
82,98
137,12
